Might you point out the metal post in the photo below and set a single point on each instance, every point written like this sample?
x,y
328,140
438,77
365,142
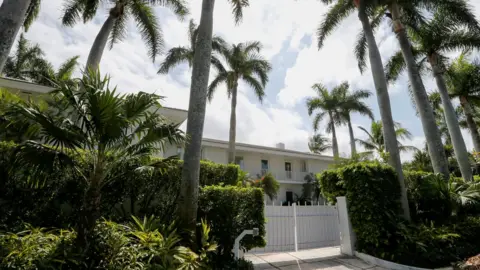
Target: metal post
x,y
295,225
236,247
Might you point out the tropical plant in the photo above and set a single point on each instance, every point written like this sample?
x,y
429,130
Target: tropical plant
x,y
375,142
339,11
268,183
114,28
463,80
182,54
351,103
431,42
14,14
319,143
421,162
329,104
436,102
111,129
188,201
244,64
28,63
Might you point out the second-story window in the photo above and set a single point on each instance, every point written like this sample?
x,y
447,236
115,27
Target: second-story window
x,y
264,166
239,162
303,166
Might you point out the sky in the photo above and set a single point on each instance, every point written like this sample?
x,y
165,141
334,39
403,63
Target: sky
x,y
286,28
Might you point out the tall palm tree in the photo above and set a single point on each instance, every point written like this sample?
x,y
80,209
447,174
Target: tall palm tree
x,y
340,10
14,14
463,80
351,103
28,63
115,26
181,54
329,104
436,101
431,41
319,143
375,142
188,200
110,128
244,64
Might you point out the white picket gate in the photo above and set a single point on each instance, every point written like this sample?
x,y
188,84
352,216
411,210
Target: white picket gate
x,y
291,228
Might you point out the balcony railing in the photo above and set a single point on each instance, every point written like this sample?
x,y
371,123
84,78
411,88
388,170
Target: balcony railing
x,y
285,176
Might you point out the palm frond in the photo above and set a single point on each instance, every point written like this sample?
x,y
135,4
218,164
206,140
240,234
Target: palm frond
x,y
341,10
395,66
90,8
256,85
179,7
148,26
32,13
71,11
119,29
221,78
174,57
66,70
361,45
317,119
237,9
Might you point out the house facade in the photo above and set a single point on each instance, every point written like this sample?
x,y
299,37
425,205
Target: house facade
x,y
287,166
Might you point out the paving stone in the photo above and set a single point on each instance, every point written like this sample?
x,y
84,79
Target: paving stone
x,y
279,259
355,262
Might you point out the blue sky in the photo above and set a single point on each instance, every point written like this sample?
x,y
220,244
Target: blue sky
x,y
286,28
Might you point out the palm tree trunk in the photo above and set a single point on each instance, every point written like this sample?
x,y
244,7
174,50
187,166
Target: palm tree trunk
x,y
353,147
334,138
424,108
12,15
188,200
451,119
233,125
472,126
383,98
96,52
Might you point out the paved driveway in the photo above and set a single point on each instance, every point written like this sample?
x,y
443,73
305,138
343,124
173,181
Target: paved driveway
x,y
321,258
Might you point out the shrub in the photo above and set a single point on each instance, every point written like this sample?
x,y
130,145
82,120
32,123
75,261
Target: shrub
x,y
331,185
373,194
268,184
229,211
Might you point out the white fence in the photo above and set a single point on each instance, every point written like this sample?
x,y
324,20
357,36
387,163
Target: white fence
x,y
300,227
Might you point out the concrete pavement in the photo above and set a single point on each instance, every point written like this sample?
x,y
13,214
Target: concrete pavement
x,y
321,258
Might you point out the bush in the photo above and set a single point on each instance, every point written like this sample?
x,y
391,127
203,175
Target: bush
x,y
143,244
229,211
372,193
331,185
426,201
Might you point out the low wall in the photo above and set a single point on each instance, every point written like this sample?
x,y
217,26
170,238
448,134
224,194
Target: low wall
x,y
391,265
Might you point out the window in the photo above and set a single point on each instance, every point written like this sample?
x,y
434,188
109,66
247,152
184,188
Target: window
x,y
289,195
239,162
264,163
202,153
288,170
304,166
179,152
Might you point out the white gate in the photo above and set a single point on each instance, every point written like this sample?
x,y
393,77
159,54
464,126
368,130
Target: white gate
x,y
291,228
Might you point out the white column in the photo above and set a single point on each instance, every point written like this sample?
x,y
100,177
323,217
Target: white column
x,y
347,235
295,225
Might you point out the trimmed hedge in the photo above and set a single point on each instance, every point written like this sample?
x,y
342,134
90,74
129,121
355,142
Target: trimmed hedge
x,y
372,193
238,209
331,185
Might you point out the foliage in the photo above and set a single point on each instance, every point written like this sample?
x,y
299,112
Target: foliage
x,y
310,189
268,184
331,185
319,143
229,211
143,244
373,198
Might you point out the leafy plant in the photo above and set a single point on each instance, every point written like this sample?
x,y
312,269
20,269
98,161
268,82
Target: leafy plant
x,y
268,183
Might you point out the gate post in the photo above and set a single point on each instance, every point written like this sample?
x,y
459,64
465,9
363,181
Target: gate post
x,y
295,225
347,235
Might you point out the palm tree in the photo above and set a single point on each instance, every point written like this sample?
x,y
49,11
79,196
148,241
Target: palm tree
x,y
351,103
109,128
14,14
188,200
244,64
420,162
329,104
431,41
375,141
28,64
181,54
319,143
341,10
115,27
436,102
463,79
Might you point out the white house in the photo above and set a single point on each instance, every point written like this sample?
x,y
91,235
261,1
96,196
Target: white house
x,y
289,167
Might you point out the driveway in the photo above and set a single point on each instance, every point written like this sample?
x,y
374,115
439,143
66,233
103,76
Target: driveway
x,y
321,258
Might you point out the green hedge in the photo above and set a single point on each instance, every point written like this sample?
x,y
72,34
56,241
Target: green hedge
x,y
372,193
331,185
238,209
